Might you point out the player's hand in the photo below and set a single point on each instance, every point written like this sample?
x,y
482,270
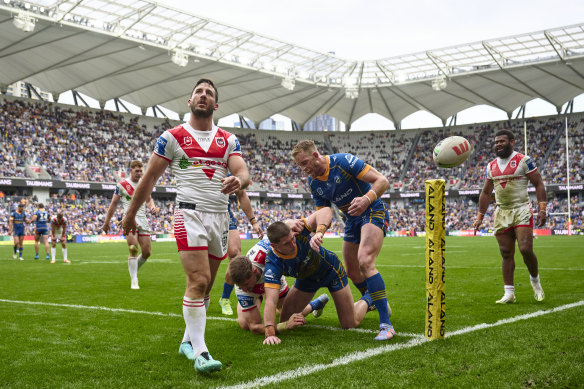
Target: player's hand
x,y
129,224
296,225
231,185
316,241
296,320
272,340
258,230
541,218
105,228
358,205
476,225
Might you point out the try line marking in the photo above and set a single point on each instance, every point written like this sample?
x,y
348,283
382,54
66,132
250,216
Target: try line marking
x,y
361,355
123,310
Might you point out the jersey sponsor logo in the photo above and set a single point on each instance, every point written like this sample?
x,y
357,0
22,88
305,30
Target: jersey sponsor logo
x,y
342,196
160,146
530,164
351,159
183,163
245,301
237,145
224,239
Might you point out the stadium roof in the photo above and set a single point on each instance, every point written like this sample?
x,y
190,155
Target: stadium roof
x,y
149,54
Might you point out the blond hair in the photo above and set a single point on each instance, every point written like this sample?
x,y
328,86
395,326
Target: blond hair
x,y
136,163
306,145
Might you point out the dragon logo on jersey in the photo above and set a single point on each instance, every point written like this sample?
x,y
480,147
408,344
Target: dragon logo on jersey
x,y
183,163
513,164
220,142
188,140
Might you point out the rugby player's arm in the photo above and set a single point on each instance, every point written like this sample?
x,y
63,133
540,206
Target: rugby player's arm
x,y
540,193
10,225
110,212
245,205
239,172
379,183
156,167
484,200
271,294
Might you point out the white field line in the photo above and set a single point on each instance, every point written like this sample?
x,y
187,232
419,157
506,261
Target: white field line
x,y
361,355
122,310
483,267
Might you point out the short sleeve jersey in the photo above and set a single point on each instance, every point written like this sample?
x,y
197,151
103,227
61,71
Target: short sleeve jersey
x,y
198,160
42,219
56,222
341,182
510,180
125,190
305,263
18,218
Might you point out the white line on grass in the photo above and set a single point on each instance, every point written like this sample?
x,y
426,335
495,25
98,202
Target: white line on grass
x,y
361,355
122,310
483,267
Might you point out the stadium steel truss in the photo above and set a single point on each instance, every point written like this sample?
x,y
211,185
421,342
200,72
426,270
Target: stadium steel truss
x,y
150,55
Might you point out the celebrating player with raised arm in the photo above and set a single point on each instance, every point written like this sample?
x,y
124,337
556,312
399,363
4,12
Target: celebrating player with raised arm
x,y
354,187
509,175
294,253
200,155
124,192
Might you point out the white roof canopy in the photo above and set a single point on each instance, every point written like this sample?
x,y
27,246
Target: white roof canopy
x,y
150,54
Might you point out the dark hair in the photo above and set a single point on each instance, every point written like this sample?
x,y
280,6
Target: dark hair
x,y
277,231
240,269
207,81
41,205
507,133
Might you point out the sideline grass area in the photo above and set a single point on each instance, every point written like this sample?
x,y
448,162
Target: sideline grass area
x,y
67,347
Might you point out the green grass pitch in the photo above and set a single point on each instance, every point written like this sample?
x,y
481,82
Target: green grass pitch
x,y
80,325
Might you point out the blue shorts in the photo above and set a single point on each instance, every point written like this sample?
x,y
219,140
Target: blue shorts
x,y
335,279
232,220
18,231
42,231
354,224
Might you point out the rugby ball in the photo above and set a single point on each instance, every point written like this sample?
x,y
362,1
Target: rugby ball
x,y
451,151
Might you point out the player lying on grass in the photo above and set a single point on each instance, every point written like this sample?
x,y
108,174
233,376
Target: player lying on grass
x,y
247,272
295,254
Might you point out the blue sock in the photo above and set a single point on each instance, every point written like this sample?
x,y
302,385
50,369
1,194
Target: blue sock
x,y
226,290
316,304
20,250
376,288
367,298
362,286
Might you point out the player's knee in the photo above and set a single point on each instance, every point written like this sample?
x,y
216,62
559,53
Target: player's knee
x,y
133,250
146,253
198,282
242,324
354,273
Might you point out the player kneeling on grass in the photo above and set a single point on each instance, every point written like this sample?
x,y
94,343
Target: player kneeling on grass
x,y
247,272
294,253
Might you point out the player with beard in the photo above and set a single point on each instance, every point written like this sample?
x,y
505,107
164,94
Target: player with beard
x,y
509,175
200,155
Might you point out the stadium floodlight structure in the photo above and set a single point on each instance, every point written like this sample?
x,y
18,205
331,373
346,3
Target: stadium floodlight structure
x,y
24,22
179,57
289,82
439,83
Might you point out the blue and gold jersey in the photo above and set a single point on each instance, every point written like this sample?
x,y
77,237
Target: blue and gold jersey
x,y
42,219
18,218
305,263
341,182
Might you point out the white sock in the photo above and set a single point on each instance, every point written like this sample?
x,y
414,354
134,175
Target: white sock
x,y
140,261
509,290
534,280
53,253
65,254
186,337
133,267
207,302
195,319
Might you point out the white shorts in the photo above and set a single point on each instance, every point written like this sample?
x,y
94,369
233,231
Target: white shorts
x,y
143,226
58,234
508,219
196,230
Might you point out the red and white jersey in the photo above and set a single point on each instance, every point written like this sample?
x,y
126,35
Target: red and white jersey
x,y
58,225
125,190
510,180
198,160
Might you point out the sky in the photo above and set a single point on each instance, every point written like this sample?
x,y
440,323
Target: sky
x,y
382,28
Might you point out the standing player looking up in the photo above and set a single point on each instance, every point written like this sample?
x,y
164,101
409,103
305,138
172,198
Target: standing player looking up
x,y
234,245
354,187
124,191
41,232
59,232
200,155
16,228
509,175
